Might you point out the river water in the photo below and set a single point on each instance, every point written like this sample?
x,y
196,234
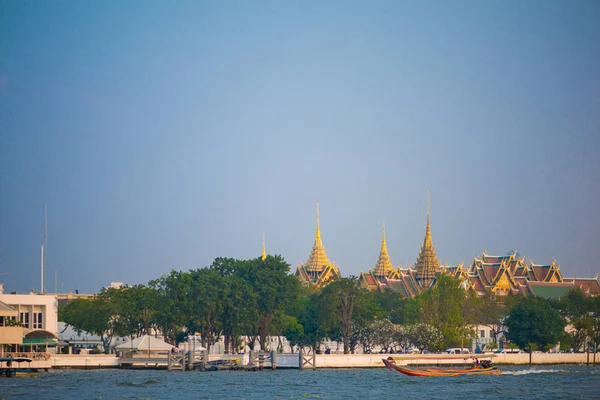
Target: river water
x,y
516,382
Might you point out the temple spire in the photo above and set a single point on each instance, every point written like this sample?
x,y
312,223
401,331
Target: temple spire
x,y
384,265
427,264
318,234
428,241
264,251
318,269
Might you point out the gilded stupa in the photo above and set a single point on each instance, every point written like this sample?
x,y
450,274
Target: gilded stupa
x,y
383,270
318,270
384,267
427,265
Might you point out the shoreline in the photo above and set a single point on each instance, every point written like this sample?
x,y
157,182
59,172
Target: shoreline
x,y
328,361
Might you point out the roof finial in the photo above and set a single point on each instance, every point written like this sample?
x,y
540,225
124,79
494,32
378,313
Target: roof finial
x,y
264,251
428,203
318,234
383,230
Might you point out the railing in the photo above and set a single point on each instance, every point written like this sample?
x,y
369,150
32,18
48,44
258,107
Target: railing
x,y
33,355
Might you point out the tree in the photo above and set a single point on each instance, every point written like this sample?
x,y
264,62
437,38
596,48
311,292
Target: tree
x,y
339,300
534,321
577,308
274,288
383,333
91,315
310,330
425,337
171,311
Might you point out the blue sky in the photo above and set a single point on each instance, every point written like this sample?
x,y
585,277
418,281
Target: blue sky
x,y
162,135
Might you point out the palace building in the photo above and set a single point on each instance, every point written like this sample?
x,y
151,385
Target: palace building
x,y
510,274
500,275
384,270
409,282
318,270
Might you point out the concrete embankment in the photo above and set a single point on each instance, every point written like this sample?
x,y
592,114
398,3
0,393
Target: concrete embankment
x,y
93,361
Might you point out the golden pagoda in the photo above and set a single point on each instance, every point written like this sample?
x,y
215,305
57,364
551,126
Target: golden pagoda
x,y
384,266
318,270
264,251
383,269
427,265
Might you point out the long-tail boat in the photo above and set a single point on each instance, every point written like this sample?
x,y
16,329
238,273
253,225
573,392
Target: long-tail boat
x,y
477,370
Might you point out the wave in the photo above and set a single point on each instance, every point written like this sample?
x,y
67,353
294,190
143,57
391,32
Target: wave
x,y
535,371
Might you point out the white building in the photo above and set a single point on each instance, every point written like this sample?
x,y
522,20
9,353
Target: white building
x,y
37,313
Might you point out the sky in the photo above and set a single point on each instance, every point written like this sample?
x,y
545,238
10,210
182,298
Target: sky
x,y
161,135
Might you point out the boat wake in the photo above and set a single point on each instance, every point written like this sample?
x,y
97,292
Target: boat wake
x,y
534,371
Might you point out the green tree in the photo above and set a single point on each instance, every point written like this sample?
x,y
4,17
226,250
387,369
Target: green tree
x,y
425,337
577,308
172,297
310,331
338,300
274,288
534,321
91,315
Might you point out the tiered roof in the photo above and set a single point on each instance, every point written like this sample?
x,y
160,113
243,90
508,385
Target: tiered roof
x,y
384,266
318,269
427,265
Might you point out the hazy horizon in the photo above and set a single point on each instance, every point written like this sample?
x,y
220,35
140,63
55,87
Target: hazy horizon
x,y
162,136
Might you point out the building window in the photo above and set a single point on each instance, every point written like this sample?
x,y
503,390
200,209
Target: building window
x,y
24,318
37,320
482,333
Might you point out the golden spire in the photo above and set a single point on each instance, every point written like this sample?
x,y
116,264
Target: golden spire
x,y
427,264
384,265
318,234
318,258
264,251
428,242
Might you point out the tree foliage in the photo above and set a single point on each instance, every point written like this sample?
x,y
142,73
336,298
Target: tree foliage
x,y
534,321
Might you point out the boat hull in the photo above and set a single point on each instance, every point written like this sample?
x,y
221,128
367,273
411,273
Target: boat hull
x,y
391,365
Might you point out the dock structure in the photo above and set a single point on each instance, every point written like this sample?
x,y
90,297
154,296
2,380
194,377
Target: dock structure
x,y
257,359
307,360
176,362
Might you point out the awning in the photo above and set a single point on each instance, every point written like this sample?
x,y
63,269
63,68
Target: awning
x,y
40,334
34,342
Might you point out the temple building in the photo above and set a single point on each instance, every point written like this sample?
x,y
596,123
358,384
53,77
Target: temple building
x,y
427,265
318,270
511,275
411,281
376,278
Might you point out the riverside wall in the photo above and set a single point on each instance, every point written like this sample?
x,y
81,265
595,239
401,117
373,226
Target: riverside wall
x,y
94,361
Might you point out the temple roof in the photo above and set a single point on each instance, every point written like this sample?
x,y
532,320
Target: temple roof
x,y
318,259
384,265
318,269
427,264
548,290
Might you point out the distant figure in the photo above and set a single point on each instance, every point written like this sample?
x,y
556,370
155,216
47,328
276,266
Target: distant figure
x,y
476,362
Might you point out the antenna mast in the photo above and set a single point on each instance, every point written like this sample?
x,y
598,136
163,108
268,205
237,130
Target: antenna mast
x,y
43,260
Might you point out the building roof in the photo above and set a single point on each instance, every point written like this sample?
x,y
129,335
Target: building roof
x,y
548,290
145,343
384,265
7,311
427,263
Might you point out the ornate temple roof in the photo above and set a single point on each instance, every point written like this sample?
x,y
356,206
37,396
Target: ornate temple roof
x,y
384,265
427,264
318,260
318,269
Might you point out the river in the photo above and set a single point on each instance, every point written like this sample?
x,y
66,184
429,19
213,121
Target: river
x,y
516,382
